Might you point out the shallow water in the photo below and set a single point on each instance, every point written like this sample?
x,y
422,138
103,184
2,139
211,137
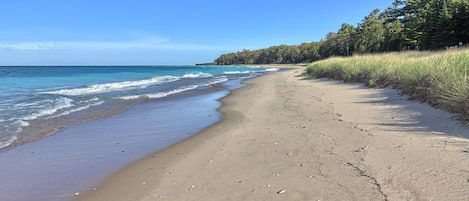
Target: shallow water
x,y
37,100
79,156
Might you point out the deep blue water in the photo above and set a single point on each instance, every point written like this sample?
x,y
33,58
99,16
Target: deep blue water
x,y
35,101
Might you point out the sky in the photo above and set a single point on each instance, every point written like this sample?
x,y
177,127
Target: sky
x,y
163,32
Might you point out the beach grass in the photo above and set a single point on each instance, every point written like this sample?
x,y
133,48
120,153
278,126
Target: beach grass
x,y
437,78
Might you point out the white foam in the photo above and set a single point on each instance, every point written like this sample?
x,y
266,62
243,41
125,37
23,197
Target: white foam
x,y
61,103
116,86
77,109
272,69
164,94
257,70
218,80
34,104
197,75
160,94
175,91
238,72
93,99
8,142
22,123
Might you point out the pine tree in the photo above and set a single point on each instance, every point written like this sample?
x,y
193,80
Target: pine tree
x,y
460,22
413,22
370,33
393,28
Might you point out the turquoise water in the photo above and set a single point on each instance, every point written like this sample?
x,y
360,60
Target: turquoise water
x,y
36,101
80,156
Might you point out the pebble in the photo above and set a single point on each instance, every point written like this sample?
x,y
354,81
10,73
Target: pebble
x,y
77,194
281,191
289,154
94,188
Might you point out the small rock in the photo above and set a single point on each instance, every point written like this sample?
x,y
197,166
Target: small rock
x,y
211,161
94,188
143,183
301,165
268,185
77,194
289,154
277,175
281,191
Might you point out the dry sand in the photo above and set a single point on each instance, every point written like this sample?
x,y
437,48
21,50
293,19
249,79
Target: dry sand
x,y
284,138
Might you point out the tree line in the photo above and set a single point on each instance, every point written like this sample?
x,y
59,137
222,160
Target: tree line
x,y
405,25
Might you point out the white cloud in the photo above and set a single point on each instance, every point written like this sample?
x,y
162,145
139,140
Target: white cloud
x,y
151,43
28,46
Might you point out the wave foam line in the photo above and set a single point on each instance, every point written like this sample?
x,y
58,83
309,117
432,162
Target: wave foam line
x,y
272,69
160,94
62,103
197,75
164,94
253,71
8,142
116,86
77,109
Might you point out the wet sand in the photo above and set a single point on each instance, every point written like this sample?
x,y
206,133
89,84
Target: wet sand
x,y
284,138
81,155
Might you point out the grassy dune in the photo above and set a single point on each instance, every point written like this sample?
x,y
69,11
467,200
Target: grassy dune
x,y
438,78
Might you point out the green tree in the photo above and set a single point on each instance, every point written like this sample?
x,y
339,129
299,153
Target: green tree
x,y
393,28
329,46
344,40
459,22
413,20
370,33
309,52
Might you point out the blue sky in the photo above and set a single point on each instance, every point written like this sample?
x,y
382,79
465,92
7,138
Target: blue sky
x,y
160,32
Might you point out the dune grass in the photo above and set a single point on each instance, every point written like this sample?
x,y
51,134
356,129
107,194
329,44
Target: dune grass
x,y
438,78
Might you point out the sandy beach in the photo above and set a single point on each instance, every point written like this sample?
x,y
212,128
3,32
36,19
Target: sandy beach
x,y
285,138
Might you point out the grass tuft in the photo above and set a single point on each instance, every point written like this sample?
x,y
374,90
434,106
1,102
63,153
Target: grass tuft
x,y
437,78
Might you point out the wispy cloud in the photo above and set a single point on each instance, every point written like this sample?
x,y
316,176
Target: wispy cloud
x,y
151,43
28,46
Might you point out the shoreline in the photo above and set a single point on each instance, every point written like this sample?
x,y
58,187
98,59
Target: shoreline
x,y
52,110
84,153
281,137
